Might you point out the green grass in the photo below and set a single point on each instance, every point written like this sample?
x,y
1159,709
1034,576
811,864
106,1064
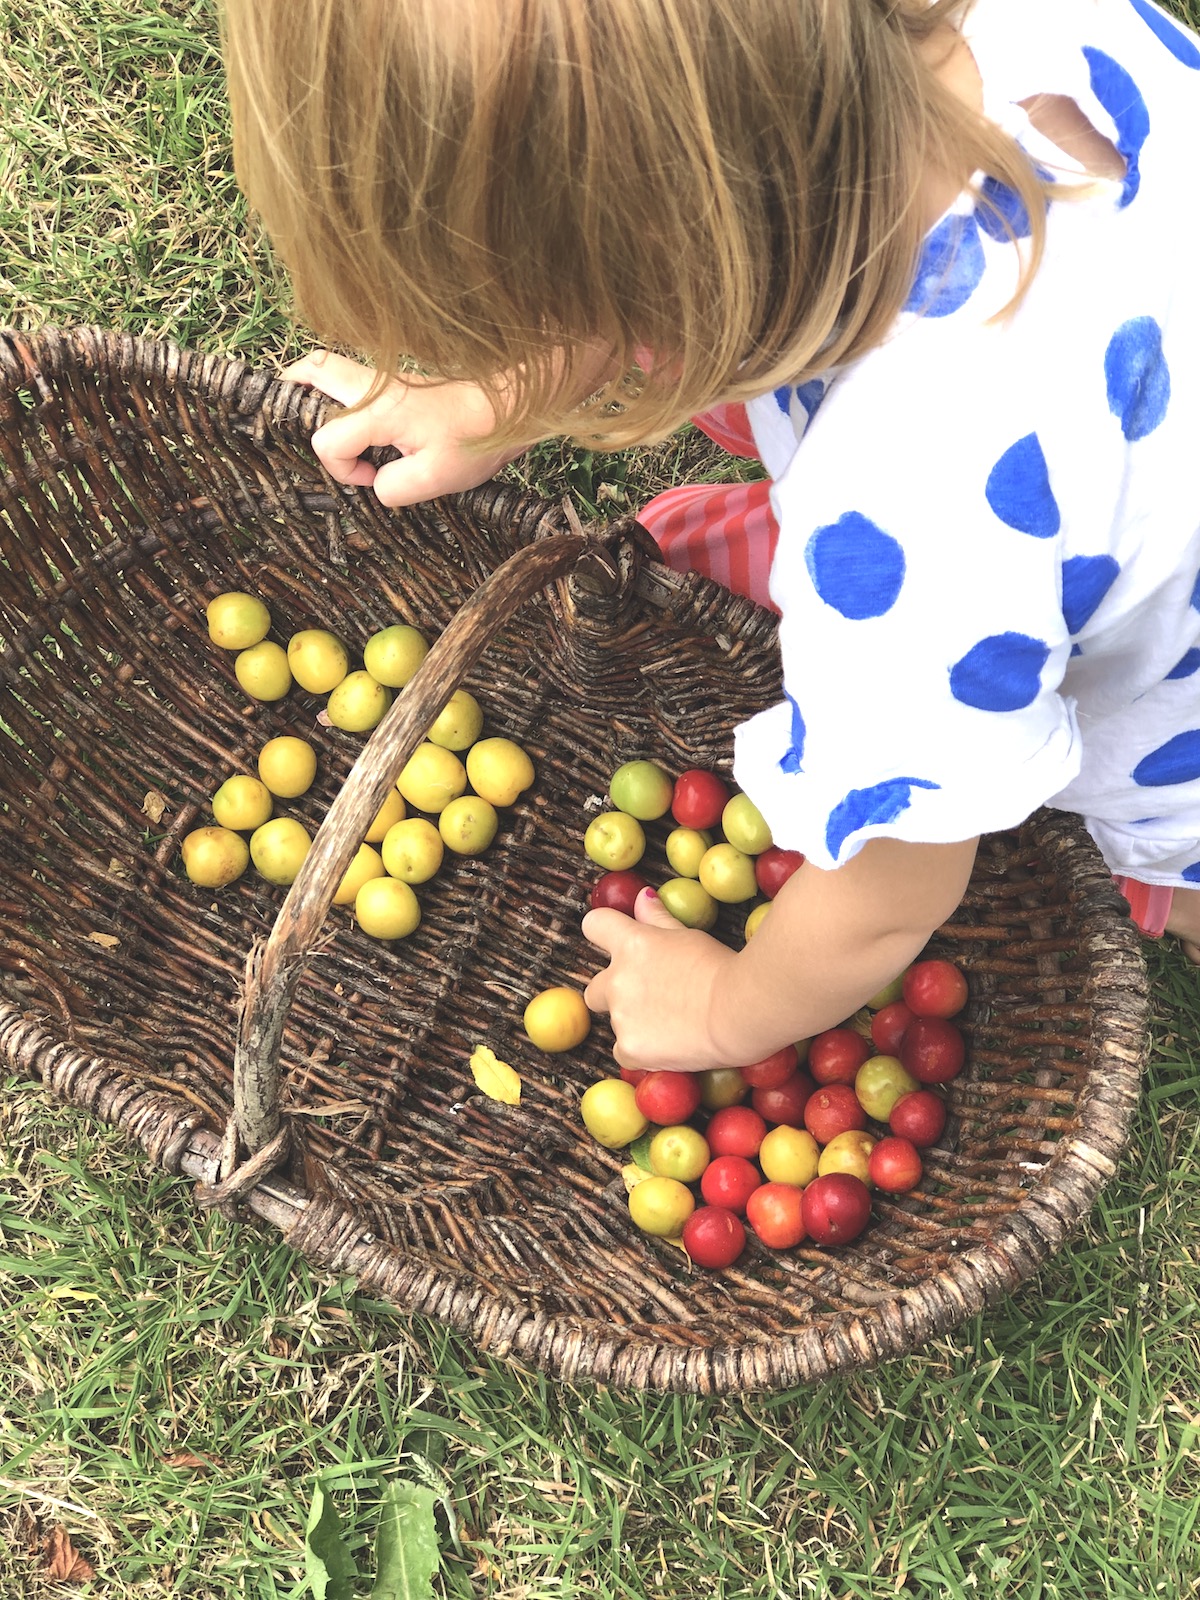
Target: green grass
x,y
117,199
171,1387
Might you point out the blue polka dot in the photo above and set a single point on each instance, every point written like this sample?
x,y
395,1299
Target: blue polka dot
x,y
1192,873
807,396
1076,650
1122,99
882,802
1000,673
1181,45
1018,490
951,265
855,567
1185,666
790,760
1001,212
1177,761
1138,379
1141,821
811,394
1085,582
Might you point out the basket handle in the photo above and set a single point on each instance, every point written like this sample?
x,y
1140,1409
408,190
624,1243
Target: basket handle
x,y
275,965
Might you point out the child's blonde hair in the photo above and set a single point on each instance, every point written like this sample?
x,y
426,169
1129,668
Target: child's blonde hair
x,y
486,186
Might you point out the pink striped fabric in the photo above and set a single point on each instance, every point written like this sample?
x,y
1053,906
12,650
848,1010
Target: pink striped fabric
x,y
1149,904
725,530
729,426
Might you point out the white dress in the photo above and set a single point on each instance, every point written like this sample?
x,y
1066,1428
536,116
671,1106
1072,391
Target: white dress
x,y
988,566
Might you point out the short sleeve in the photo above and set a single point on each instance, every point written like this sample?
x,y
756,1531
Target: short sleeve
x,y
923,640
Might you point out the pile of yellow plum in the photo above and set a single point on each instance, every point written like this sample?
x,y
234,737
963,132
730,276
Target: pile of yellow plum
x,y
453,784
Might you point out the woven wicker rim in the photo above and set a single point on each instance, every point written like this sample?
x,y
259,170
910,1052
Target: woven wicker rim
x,y
170,1131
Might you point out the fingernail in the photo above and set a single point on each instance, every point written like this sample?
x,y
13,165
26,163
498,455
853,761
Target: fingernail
x,y
649,894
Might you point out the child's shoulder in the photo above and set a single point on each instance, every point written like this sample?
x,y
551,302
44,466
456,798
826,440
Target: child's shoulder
x,y
1105,299
1127,63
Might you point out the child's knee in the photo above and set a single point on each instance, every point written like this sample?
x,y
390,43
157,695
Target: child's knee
x,y
1183,920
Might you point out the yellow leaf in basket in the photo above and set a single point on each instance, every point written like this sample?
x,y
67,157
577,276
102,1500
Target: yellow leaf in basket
x,y
154,805
633,1175
494,1077
108,940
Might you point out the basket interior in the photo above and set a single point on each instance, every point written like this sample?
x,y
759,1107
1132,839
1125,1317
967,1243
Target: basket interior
x,y
134,492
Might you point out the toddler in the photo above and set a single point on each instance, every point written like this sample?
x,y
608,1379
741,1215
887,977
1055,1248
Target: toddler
x,y
935,264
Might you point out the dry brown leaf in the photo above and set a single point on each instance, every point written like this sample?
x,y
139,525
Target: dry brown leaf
x,y
108,940
154,805
184,1458
28,1534
63,1562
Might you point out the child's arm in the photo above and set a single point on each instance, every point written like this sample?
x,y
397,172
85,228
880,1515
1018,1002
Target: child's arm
x,y
436,426
679,1000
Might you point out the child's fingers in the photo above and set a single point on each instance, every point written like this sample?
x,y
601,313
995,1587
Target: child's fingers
x,y
603,929
337,376
648,908
606,928
418,477
341,442
595,996
361,475
305,368
427,473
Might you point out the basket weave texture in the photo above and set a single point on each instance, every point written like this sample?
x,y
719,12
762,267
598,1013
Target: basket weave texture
x,y
137,481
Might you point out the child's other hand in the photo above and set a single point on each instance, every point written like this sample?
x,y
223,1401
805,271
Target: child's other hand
x,y
657,987
434,425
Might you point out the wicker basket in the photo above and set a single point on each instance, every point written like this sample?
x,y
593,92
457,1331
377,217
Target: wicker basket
x,y
138,481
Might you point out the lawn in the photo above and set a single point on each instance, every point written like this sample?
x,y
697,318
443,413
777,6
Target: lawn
x,y
174,1389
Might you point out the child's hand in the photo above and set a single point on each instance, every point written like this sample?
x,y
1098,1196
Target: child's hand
x,y
435,425
681,1001
657,988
